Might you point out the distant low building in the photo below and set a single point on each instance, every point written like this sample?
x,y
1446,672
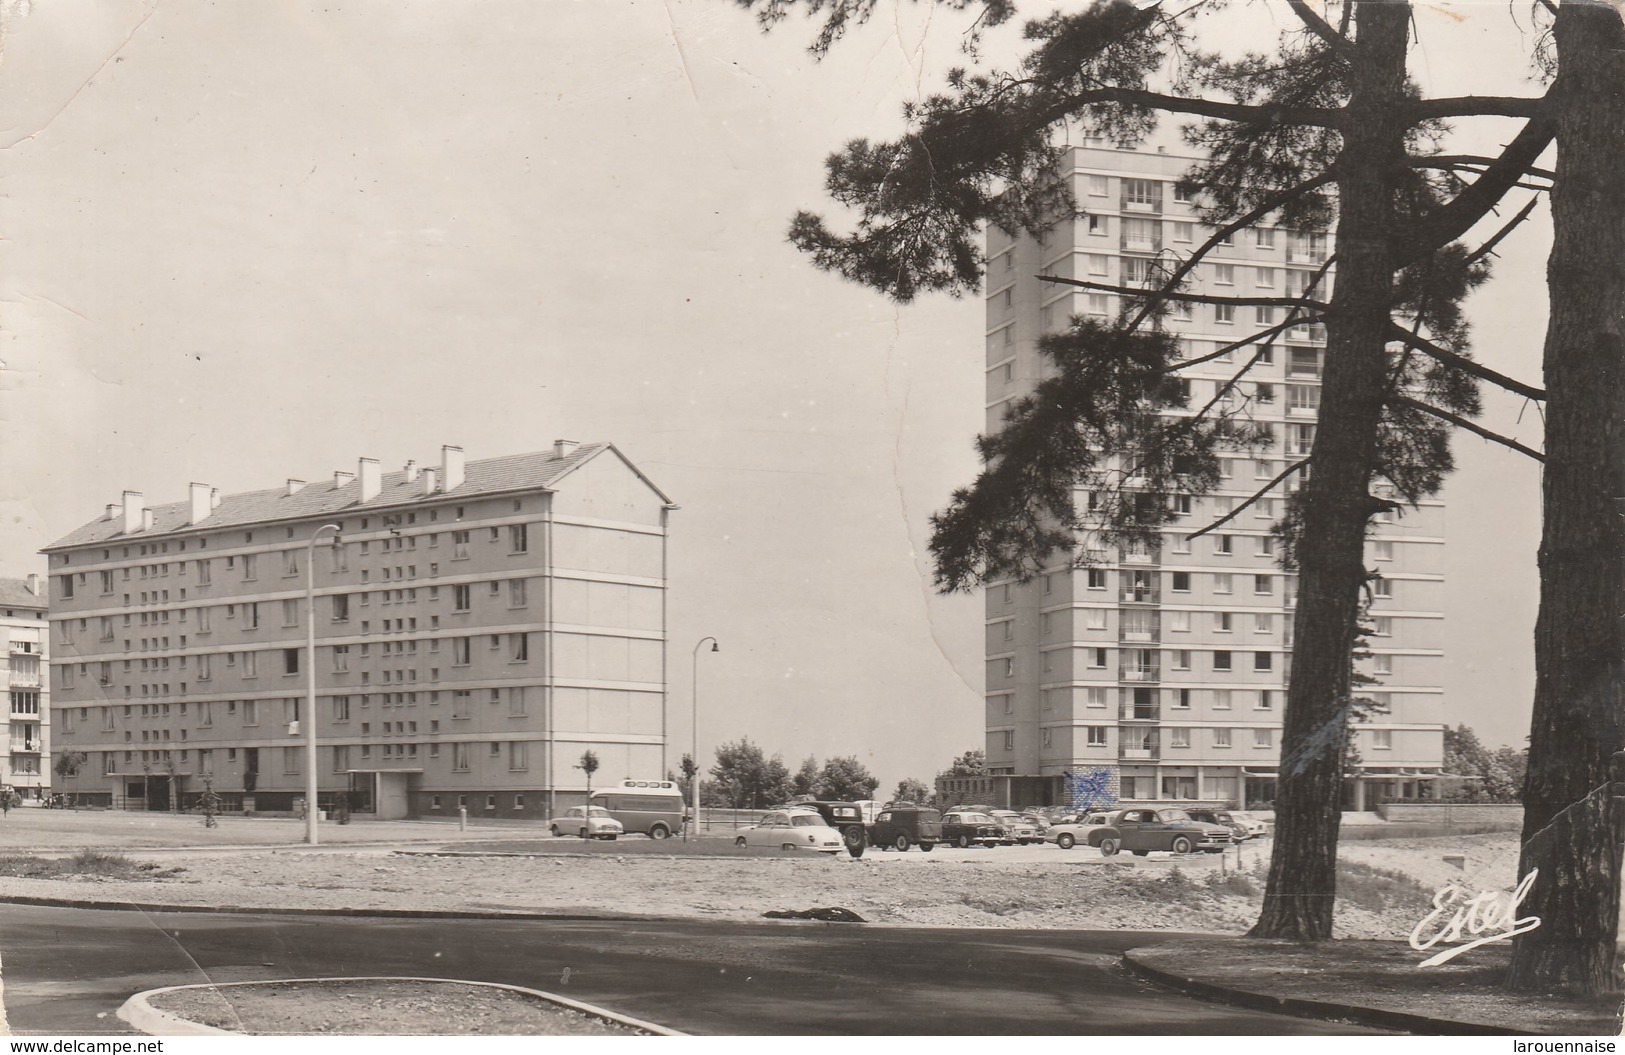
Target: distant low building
x,y
23,617
477,626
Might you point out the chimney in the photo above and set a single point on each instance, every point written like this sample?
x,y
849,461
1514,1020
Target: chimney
x,y
33,583
372,479
201,505
411,472
451,467
428,481
146,520
340,478
214,498
563,447
295,486
112,510
132,512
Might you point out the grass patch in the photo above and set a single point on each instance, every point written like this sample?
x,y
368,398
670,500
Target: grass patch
x,y
84,863
1381,890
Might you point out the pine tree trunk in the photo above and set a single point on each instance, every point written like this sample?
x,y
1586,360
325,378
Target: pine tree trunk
x,y
1572,824
1336,499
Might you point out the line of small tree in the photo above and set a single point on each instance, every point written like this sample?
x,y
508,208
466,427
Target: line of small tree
x,y
745,777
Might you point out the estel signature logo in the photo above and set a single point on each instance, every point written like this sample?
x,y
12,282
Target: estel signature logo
x,y
1493,910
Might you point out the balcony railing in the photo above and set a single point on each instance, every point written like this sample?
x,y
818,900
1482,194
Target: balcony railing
x,y
24,679
1141,595
1139,752
25,648
25,747
1140,714
1140,674
1138,633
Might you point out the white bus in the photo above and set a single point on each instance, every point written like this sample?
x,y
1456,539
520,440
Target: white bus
x,y
654,807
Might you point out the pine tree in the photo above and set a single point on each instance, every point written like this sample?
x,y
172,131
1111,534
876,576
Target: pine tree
x,y
1329,117
1572,804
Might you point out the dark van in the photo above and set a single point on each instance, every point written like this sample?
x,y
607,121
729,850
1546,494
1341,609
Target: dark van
x,y
899,827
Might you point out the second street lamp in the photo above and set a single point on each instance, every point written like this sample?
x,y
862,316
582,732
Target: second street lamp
x,y
694,783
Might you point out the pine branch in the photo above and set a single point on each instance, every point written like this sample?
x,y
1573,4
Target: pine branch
x,y
1446,224
1194,298
1319,27
1471,426
1464,364
1477,106
1445,161
1488,247
1256,495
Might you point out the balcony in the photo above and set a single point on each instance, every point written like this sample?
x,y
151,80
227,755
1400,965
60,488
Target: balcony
x,y
24,679
25,747
1139,634
1141,595
1134,753
25,648
1140,713
1140,675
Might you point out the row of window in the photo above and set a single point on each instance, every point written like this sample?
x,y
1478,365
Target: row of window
x,y
518,536
1178,738
1132,621
517,753
461,703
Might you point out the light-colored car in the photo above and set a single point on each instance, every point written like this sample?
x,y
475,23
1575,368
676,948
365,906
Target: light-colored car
x,y
590,822
792,830
1254,825
1022,829
1086,828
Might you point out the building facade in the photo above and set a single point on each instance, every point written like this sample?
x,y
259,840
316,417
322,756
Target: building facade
x,y
27,766
478,627
1161,674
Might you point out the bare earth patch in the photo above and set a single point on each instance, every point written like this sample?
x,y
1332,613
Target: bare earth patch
x,y
374,1007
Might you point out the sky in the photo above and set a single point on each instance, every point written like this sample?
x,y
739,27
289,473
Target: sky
x,y
246,242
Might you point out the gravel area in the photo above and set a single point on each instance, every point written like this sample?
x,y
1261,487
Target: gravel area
x,y
378,1007
1035,886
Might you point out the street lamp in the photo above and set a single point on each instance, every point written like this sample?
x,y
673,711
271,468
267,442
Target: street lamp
x,y
310,679
694,697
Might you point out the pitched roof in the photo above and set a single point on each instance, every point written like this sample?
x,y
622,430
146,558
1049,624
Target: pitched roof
x,y
14,594
540,470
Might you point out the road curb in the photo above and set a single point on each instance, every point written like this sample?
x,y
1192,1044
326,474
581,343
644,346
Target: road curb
x,y
139,1012
1287,1005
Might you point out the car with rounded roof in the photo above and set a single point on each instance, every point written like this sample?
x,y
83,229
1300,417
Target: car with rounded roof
x,y
1144,830
1021,829
587,822
1242,826
792,829
963,828
1085,828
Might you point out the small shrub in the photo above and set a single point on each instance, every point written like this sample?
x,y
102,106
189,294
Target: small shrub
x,y
1233,883
1380,890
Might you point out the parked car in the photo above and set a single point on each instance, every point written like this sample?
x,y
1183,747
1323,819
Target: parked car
x,y
796,829
1021,829
964,828
1141,831
588,822
1254,824
899,827
844,817
1242,827
1085,828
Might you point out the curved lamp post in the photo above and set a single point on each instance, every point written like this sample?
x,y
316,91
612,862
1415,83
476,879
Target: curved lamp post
x,y
310,679
695,699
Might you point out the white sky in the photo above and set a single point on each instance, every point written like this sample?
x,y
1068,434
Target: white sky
x,y
244,242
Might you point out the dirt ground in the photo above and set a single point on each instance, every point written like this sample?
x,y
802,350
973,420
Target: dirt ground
x,y
1033,886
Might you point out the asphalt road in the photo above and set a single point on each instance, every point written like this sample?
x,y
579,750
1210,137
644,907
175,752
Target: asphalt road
x,y
66,971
